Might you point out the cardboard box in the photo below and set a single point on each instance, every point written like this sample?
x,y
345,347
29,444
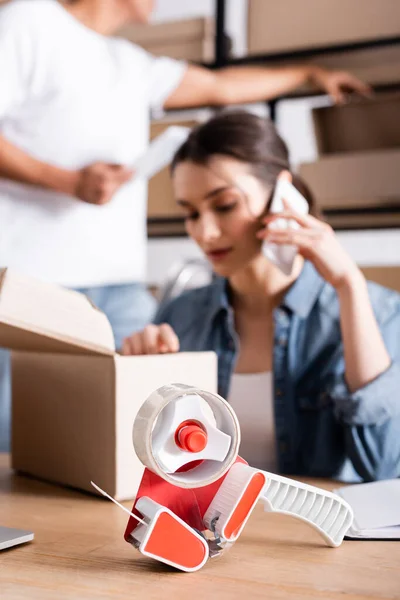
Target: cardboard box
x,y
361,125
376,66
293,25
161,200
191,39
357,177
165,218
355,180
74,398
387,276
363,219
313,25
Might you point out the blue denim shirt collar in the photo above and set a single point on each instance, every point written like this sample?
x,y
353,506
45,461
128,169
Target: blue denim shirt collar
x,y
299,299
303,294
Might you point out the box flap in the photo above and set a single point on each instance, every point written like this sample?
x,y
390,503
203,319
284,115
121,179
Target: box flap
x,y
42,317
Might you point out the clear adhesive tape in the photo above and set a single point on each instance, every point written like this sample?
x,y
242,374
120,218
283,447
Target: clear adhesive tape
x,y
208,471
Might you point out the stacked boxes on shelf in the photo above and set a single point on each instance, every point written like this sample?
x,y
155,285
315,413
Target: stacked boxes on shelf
x,y
291,25
312,24
191,39
357,176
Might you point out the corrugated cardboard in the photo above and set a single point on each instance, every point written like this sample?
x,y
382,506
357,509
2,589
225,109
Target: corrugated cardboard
x,y
365,124
376,66
290,24
38,316
357,177
74,398
349,180
161,201
387,276
191,39
363,219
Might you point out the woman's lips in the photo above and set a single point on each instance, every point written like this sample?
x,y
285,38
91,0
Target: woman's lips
x,y
218,255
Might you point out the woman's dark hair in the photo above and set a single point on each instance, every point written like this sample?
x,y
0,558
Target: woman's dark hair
x,y
245,137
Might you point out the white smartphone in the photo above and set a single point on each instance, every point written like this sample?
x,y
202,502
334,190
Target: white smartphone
x,y
283,256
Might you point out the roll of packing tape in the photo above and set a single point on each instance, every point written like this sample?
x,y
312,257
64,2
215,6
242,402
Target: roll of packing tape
x,y
187,436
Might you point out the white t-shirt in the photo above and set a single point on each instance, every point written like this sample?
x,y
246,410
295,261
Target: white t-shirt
x,y
251,397
71,97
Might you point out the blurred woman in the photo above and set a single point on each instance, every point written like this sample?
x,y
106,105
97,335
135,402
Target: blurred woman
x,y
309,361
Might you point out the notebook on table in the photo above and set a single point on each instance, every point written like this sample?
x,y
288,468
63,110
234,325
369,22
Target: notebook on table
x,y
376,509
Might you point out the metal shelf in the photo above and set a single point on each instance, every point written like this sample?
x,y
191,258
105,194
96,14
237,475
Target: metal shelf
x,y
340,219
384,219
223,59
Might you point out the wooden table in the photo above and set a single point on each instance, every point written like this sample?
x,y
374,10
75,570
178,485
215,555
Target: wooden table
x,y
79,553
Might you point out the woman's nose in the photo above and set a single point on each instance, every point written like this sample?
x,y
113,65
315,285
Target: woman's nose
x,y
208,229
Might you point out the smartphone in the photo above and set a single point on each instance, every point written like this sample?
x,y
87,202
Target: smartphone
x,y
283,256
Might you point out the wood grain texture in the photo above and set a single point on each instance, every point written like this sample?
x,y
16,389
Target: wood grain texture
x,y
79,553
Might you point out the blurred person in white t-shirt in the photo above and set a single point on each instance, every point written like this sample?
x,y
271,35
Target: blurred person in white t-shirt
x,y
75,106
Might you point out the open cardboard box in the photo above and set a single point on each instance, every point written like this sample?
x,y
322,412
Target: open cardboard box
x,y
358,169
74,398
361,125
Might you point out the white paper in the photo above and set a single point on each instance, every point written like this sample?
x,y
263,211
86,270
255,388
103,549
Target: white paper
x,y
161,151
283,256
376,508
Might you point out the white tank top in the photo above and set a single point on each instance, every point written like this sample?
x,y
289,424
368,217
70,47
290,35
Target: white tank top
x,y
251,397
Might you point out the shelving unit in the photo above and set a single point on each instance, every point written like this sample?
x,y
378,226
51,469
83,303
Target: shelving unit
x,y
223,59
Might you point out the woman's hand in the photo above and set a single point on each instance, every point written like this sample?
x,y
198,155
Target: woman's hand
x,y
154,339
338,83
316,242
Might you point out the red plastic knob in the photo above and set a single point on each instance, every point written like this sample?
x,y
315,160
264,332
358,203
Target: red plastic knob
x,y
191,437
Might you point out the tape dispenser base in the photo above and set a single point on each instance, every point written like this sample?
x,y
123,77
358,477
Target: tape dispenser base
x,y
197,494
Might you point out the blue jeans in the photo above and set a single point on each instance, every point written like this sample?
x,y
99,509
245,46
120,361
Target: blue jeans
x,y
128,308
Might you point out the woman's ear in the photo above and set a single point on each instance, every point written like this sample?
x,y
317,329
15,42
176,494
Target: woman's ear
x,y
285,175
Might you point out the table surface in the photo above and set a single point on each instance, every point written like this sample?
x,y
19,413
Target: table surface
x,y
79,552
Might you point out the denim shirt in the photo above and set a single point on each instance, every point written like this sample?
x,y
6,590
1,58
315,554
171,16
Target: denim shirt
x,y
322,429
